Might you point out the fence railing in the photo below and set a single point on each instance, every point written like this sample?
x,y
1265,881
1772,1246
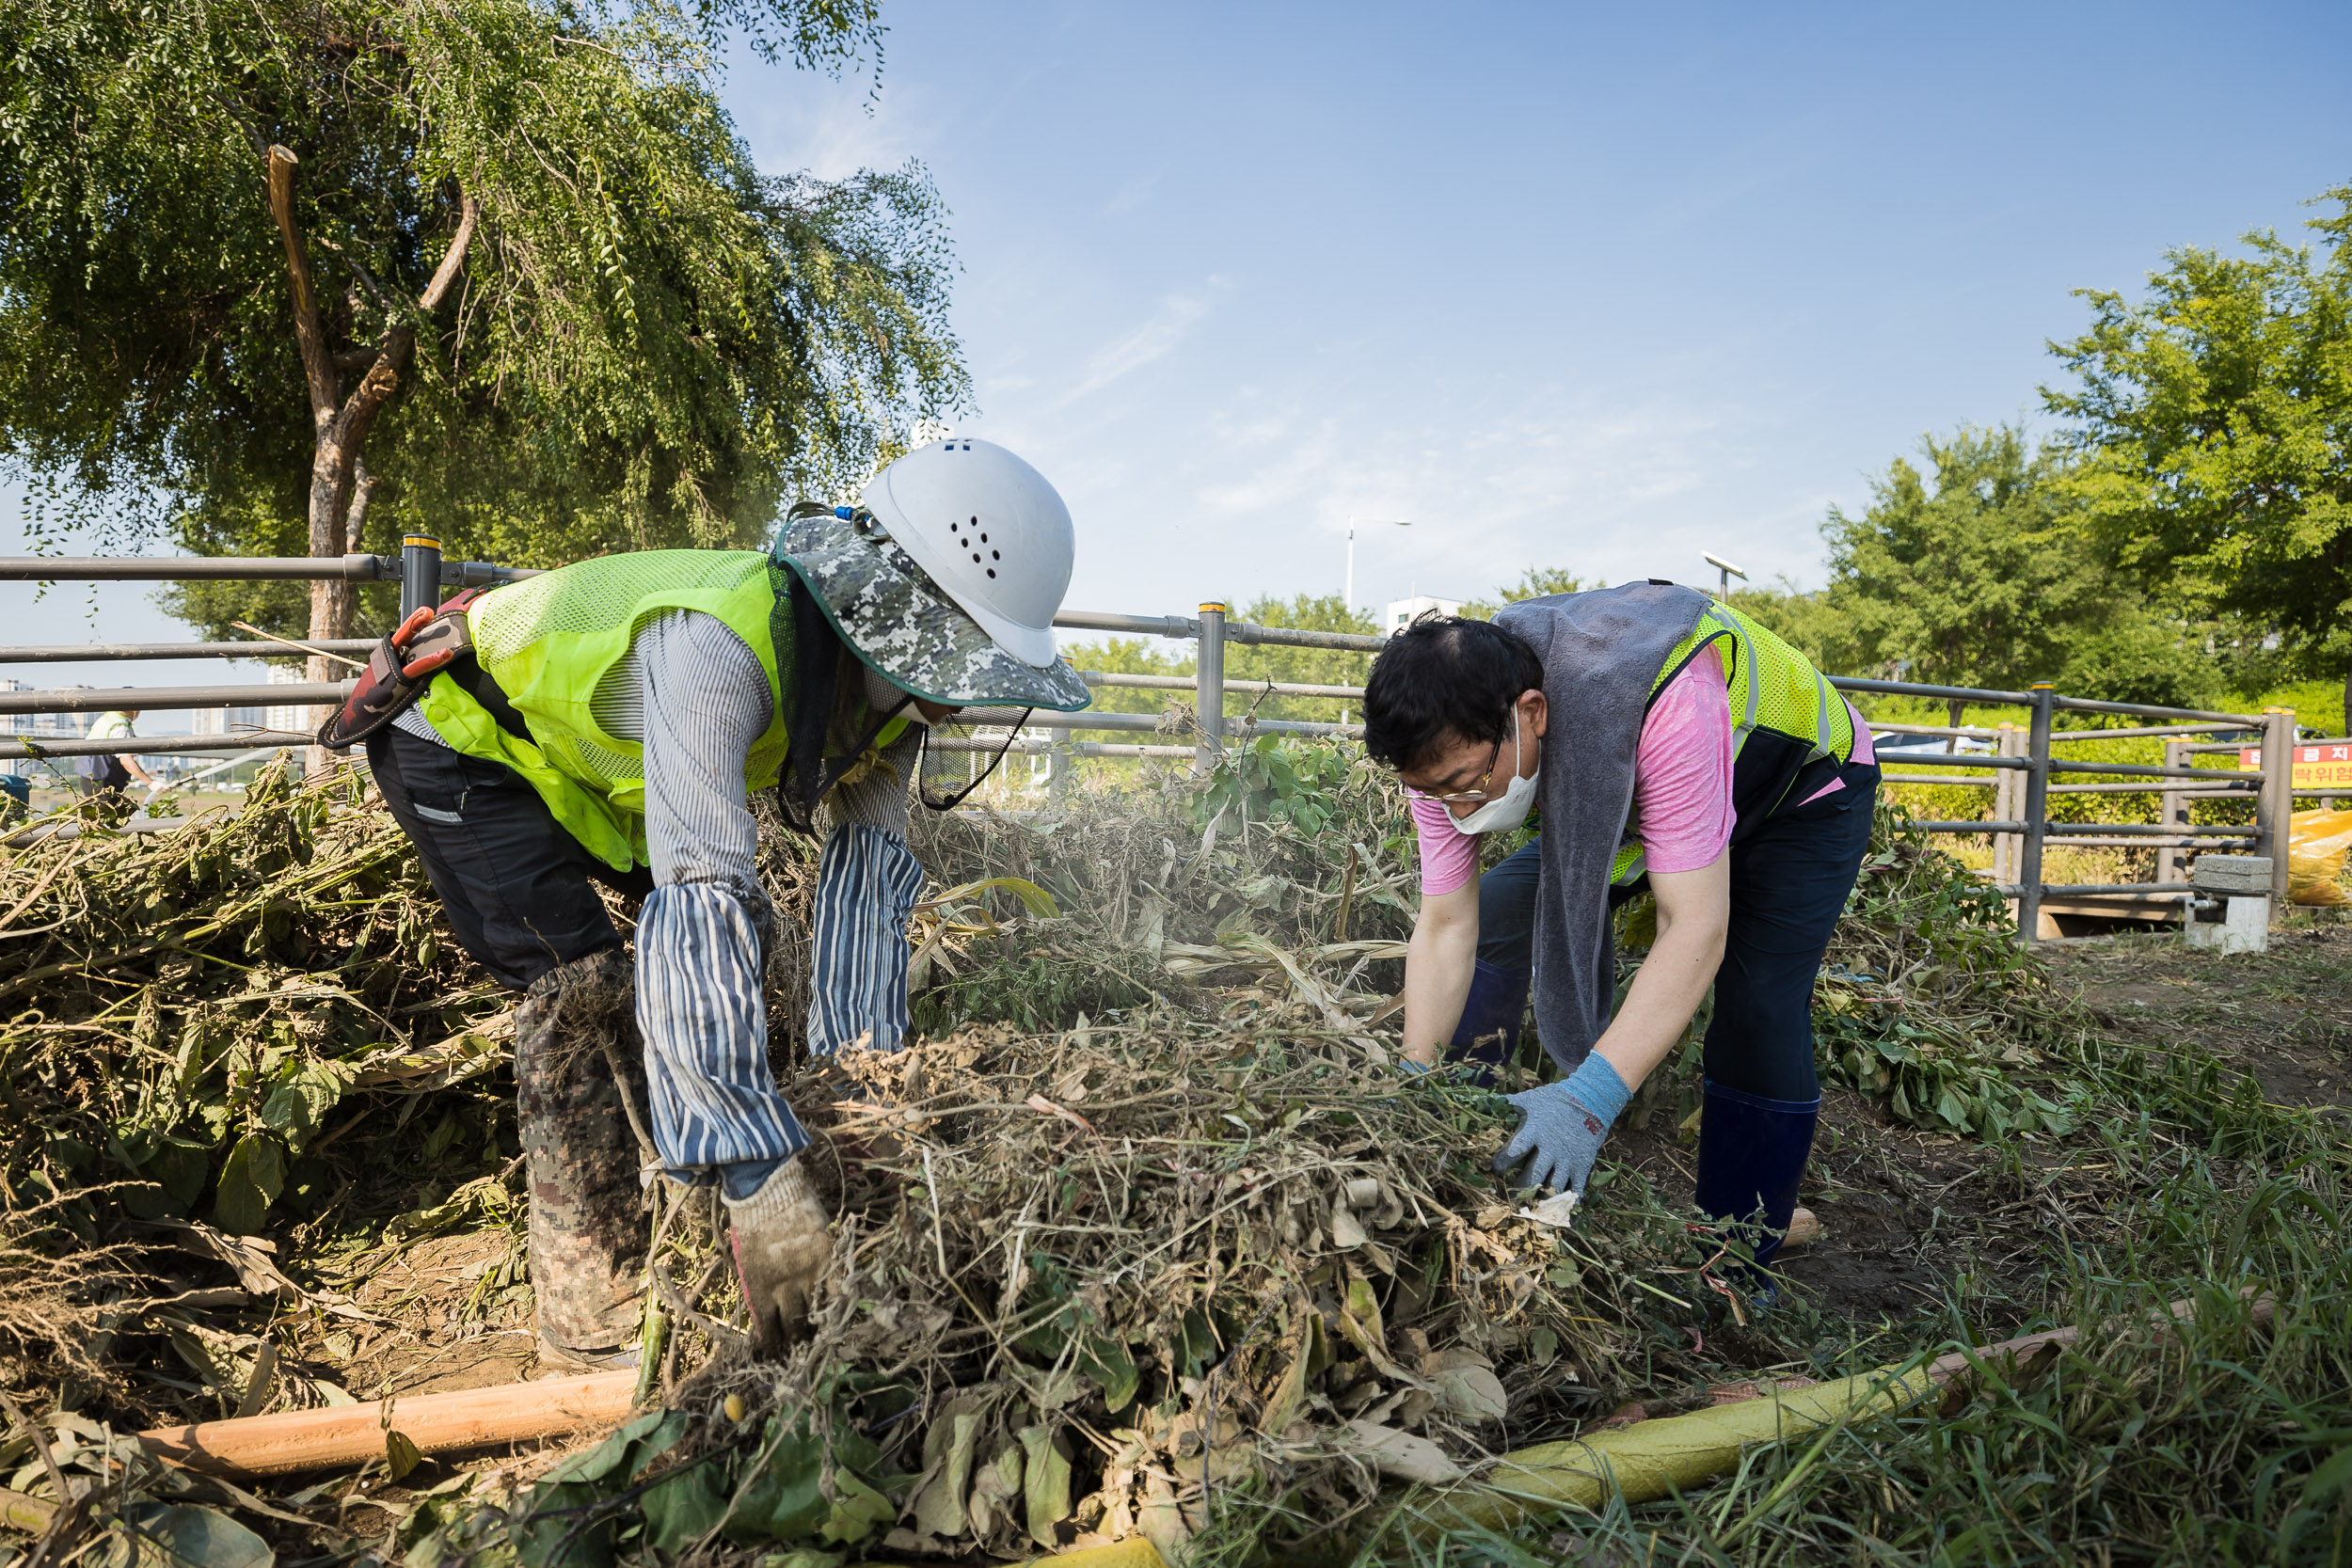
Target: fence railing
x,y
2021,765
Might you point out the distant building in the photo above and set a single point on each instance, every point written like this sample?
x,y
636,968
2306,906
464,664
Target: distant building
x,y
276,717
1402,612
227,721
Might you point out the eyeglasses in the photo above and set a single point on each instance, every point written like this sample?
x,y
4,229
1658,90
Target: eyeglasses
x,y
1478,796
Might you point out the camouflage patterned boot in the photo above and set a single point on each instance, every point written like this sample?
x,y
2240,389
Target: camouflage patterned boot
x,y
589,1228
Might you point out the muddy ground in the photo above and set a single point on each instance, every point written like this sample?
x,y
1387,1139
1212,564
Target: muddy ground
x,y
2285,1016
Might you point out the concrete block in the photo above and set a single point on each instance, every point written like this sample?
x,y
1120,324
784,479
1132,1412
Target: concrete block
x,y
2244,927
2232,872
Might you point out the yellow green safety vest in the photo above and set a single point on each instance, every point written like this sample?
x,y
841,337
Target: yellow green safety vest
x,y
549,640
1777,700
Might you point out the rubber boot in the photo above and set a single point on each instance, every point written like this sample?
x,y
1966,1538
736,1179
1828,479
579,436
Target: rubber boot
x,y
589,1229
1752,1153
1489,1034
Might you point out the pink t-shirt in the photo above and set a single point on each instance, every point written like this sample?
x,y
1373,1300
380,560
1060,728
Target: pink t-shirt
x,y
1681,785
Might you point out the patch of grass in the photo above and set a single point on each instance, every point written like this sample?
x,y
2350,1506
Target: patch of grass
x,y
2225,1438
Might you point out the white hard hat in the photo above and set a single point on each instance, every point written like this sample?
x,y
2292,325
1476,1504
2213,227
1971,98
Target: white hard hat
x,y
989,530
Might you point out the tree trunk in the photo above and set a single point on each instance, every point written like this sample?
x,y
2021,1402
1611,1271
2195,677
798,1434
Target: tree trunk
x,y
340,486
2347,704
330,602
1953,707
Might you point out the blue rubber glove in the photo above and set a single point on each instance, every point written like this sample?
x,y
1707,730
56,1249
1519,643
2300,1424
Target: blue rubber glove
x,y
1562,1125
1408,1067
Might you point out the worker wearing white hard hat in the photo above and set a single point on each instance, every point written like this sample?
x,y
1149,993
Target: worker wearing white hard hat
x,y
606,721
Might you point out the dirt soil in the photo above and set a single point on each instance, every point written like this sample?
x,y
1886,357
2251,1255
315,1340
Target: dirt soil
x,y
2285,1016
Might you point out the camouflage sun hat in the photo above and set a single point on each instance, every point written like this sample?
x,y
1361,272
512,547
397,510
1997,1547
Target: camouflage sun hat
x,y
890,611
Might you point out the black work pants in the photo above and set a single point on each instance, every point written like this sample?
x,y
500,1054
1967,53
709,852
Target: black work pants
x,y
1790,878
518,889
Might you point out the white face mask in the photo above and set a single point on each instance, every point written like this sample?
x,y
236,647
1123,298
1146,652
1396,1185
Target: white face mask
x,y
1509,809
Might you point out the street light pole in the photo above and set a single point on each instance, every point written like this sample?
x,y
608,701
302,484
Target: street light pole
x,y
1348,596
1726,572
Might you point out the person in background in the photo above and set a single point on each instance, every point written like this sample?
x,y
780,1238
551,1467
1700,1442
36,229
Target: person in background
x,y
605,723
1673,746
108,774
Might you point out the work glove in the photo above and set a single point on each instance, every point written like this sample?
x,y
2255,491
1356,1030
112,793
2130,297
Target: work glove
x,y
782,1242
1561,1126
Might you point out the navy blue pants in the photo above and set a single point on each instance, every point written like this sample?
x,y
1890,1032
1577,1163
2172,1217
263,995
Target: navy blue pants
x,y
516,886
1789,877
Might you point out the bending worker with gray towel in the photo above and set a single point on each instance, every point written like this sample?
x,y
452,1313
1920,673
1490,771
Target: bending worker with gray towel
x,y
604,723
1672,744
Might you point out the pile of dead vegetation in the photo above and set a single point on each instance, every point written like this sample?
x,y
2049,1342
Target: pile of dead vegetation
x,y
190,1024
1154,1276
1289,876
1178,890
1141,1235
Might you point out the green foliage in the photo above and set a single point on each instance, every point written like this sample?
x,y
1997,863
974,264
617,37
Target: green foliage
x,y
652,340
262,969
1037,989
1122,656
1243,662
1300,666
1960,576
1976,576
1534,582
1919,929
2219,1436
1271,781
2209,421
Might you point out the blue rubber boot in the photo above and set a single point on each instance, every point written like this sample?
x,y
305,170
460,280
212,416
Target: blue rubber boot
x,y
1497,1004
1752,1153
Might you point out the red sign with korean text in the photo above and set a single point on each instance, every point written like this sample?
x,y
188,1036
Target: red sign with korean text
x,y
2327,765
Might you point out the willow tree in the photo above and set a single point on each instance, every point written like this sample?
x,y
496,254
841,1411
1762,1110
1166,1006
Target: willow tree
x,y
291,276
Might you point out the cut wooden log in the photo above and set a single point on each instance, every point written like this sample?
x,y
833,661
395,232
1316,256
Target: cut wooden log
x,y
436,1423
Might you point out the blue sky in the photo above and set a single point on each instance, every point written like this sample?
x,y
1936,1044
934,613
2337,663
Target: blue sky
x,y
1592,286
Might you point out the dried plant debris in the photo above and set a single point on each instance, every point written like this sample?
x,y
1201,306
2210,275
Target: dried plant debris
x,y
190,1024
1112,1280
1141,1235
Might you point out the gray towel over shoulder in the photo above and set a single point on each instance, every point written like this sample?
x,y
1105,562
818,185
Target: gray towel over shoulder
x,y
1600,651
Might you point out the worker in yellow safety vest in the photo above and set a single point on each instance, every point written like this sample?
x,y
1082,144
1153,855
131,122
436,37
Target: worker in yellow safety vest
x,y
605,723
109,772
1673,746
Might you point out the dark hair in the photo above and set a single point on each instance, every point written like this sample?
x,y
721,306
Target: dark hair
x,y
1444,676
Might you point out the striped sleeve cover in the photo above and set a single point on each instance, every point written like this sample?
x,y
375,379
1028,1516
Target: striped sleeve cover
x,y
866,885
699,700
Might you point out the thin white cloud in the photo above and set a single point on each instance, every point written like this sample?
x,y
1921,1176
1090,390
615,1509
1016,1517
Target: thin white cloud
x,y
1612,493
1132,195
1159,334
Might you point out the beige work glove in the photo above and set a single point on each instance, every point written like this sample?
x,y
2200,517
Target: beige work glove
x,y
782,1241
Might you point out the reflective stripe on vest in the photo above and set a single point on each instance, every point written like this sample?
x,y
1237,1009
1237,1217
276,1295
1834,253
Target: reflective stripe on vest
x,y
1769,685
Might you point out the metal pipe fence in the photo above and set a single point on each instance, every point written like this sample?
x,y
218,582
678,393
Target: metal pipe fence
x,y
99,653
355,567
2023,765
